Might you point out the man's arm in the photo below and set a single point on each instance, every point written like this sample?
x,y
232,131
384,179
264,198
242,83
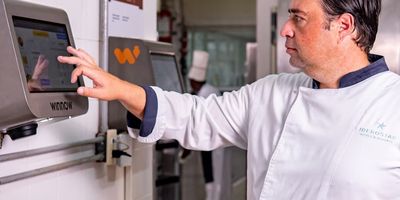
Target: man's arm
x,y
197,123
105,85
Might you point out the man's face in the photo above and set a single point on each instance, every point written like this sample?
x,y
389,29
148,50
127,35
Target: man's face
x,y
196,86
309,42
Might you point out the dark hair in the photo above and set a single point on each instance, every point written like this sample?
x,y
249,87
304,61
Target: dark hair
x,y
366,16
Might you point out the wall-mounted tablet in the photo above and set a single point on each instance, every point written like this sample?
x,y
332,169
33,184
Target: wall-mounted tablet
x,y
40,42
33,84
144,63
166,72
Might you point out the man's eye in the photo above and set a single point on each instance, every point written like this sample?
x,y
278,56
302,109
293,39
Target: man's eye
x,y
296,18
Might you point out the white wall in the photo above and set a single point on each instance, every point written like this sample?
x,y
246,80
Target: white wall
x,y
388,38
220,13
89,181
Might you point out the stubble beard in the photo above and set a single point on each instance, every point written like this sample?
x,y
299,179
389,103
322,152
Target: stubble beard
x,y
297,62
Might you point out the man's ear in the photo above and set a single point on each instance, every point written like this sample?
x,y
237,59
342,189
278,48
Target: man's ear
x,y
346,26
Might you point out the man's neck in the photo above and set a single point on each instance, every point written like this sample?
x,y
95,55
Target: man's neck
x,y
343,65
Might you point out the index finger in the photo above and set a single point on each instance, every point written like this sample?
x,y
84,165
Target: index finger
x,y
73,60
80,53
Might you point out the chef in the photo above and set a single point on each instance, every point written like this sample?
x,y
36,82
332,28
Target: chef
x,y
332,132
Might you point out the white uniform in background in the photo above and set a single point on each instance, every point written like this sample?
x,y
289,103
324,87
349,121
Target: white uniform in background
x,y
302,143
208,90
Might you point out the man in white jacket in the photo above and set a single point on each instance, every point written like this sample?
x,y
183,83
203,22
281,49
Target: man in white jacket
x,y
332,132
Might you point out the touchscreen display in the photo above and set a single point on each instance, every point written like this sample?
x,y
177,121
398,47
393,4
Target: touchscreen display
x,y
40,43
166,72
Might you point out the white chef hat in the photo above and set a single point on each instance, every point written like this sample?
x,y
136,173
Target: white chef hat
x,y
199,66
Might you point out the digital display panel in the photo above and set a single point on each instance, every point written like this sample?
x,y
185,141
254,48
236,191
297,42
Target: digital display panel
x,y
166,72
40,43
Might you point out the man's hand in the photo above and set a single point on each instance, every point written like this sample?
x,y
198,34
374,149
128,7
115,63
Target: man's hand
x,y
105,85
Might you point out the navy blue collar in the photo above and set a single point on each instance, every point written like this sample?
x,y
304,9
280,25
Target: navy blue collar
x,y
377,66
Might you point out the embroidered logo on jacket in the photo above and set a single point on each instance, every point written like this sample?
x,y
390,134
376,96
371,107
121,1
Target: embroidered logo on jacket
x,y
378,132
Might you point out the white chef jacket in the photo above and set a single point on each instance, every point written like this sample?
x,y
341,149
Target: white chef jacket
x,y
207,89
302,143
220,188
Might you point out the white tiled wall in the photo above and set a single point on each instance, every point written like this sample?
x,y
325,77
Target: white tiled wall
x,y
89,181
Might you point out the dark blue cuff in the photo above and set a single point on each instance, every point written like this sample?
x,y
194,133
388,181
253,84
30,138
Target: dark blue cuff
x,y
150,114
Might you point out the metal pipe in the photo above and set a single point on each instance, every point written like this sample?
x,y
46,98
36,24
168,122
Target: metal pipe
x,y
103,62
44,170
33,152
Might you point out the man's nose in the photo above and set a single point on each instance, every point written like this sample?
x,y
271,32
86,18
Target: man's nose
x,y
286,30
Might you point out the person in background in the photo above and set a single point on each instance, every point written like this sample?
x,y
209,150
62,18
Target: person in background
x,y
332,132
212,161
198,73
